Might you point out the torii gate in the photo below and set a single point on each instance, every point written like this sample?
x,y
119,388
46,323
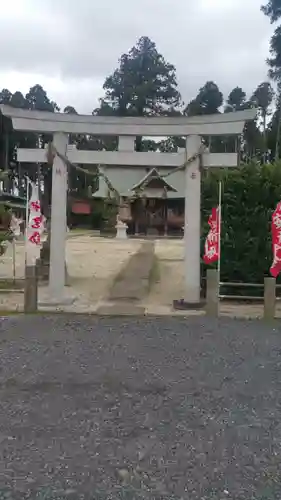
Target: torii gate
x,y
61,125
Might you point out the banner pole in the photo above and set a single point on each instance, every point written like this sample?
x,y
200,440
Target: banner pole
x,y
14,259
26,214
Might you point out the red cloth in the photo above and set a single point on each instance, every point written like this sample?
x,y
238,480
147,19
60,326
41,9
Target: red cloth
x,y
276,241
212,243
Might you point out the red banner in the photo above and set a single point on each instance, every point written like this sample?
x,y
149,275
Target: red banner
x,y
276,241
212,243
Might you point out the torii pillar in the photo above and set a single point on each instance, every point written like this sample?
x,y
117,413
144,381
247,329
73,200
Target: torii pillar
x,y
58,221
192,223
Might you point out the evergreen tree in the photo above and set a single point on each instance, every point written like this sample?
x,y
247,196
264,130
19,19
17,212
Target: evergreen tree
x,y
144,84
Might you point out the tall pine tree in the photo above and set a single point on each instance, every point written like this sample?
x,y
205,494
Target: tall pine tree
x,y
144,84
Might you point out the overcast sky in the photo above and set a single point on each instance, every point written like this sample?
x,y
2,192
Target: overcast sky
x,y
70,46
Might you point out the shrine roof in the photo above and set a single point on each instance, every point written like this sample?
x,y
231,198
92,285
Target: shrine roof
x,y
149,177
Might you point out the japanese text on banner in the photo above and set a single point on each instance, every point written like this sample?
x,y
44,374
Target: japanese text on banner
x,y
212,243
276,241
35,226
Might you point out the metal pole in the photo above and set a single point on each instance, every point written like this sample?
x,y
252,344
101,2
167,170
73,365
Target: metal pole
x,y
7,180
26,215
14,259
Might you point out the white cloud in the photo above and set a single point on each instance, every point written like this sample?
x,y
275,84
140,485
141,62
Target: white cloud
x,y
70,47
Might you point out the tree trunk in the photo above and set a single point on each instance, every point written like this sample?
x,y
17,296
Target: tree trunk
x,y
277,152
264,137
7,181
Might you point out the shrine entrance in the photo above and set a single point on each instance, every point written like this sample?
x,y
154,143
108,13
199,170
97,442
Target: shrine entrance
x,y
149,209
190,161
149,216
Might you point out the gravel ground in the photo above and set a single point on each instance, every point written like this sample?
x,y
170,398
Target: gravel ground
x,y
139,409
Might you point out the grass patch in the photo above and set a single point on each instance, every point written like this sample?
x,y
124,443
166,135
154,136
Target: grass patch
x,y
43,312
4,313
8,284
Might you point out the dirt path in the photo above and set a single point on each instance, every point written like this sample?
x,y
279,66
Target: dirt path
x,y
132,283
93,264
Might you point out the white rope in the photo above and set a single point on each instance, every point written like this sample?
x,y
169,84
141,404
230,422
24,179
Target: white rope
x,y
187,162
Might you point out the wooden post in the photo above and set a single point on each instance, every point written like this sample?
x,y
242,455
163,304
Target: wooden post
x,y
269,298
212,304
31,289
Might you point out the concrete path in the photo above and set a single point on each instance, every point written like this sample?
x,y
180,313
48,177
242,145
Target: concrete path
x,y
131,285
170,283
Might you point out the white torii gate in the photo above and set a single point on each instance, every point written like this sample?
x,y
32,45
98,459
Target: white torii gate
x,y
61,125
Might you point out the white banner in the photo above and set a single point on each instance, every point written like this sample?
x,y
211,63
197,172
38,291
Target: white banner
x,y
35,226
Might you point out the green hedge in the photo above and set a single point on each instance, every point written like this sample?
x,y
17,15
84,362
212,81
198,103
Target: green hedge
x,y
249,196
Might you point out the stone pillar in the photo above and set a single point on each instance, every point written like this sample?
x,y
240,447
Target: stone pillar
x,y
30,289
121,230
58,220
126,144
212,304
192,223
269,298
